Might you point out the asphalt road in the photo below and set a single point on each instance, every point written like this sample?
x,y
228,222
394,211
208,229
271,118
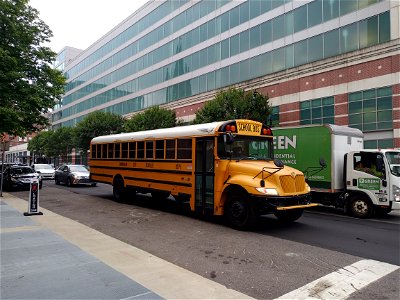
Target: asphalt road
x,y
265,263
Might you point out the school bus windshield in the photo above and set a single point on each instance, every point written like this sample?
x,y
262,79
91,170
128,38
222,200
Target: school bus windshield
x,y
246,148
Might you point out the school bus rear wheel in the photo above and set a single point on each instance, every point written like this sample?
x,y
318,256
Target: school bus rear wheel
x,y
119,191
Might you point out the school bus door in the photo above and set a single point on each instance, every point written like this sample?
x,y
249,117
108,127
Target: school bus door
x,y
204,172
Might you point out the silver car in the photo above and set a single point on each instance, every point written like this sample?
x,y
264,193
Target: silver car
x,y
73,175
46,171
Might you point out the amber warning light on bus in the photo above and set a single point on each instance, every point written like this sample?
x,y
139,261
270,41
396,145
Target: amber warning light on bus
x,y
266,131
231,128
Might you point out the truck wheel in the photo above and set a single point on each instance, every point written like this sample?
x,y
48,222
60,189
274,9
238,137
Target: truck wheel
x,y
239,213
119,191
360,207
288,216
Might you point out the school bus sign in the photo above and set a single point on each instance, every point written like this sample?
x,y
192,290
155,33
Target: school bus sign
x,y
248,128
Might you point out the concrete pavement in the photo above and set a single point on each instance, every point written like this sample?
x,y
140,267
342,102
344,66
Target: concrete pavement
x,y
50,256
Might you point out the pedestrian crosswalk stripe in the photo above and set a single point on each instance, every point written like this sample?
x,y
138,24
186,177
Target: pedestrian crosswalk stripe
x,y
343,282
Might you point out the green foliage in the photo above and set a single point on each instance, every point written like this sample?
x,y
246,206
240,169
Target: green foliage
x,y
29,86
96,124
234,104
152,118
62,142
41,142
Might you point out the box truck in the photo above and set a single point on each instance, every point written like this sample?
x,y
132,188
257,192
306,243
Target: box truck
x,y
339,171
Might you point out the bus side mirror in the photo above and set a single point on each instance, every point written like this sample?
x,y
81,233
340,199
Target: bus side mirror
x,y
228,138
278,163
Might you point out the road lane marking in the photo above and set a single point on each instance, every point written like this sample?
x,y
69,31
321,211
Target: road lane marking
x,y
396,222
343,282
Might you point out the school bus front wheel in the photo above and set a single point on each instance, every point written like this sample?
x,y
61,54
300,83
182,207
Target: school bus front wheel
x,y
288,216
239,212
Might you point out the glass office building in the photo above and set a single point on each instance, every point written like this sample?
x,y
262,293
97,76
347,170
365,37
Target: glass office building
x,y
319,61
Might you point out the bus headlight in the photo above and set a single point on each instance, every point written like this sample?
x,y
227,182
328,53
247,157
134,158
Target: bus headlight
x,y
396,193
267,191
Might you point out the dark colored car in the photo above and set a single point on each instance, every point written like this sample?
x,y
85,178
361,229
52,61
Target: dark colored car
x,y
72,175
19,177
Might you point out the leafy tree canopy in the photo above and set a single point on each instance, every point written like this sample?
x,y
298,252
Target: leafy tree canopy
x,y
29,86
96,124
62,142
152,118
41,142
234,104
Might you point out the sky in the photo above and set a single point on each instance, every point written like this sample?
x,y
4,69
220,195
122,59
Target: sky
x,y
79,23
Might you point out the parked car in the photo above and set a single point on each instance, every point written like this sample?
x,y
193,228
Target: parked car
x,y
45,170
73,174
19,177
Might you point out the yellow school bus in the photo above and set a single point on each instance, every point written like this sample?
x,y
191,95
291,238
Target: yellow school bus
x,y
220,168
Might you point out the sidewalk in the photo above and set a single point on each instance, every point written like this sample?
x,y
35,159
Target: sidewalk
x,y
53,257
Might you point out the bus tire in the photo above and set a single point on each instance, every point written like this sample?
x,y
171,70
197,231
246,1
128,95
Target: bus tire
x,y
360,206
288,216
239,213
119,191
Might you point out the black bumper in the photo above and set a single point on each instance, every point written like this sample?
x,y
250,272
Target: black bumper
x,y
272,204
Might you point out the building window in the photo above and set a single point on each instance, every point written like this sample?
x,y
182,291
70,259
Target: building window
x,y
363,33
273,118
379,144
371,110
317,111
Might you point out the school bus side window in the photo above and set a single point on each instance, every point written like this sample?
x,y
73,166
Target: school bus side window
x,y
98,151
124,153
149,150
132,150
104,151
160,149
184,148
140,150
110,150
117,150
170,149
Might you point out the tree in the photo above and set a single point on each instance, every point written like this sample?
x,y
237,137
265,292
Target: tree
x,y
234,104
29,86
40,144
152,118
96,124
62,142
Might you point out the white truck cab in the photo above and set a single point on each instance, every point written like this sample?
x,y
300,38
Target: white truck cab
x,y
373,181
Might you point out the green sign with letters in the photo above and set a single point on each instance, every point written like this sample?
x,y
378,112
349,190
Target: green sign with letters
x,y
302,148
369,183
